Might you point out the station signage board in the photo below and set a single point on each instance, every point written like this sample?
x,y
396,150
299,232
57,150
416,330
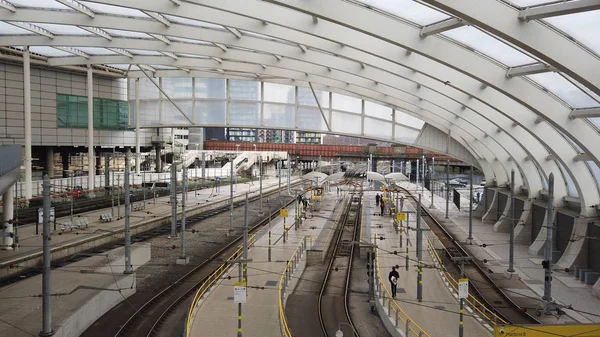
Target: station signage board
x,y
239,292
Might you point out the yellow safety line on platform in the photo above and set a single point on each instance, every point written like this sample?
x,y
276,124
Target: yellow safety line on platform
x,y
211,280
473,302
401,314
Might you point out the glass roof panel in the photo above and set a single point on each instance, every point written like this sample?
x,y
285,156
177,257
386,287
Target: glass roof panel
x,y
183,39
245,32
39,4
595,171
144,52
584,27
114,10
126,33
191,22
62,29
488,45
526,3
409,10
564,89
96,51
48,51
8,29
123,66
192,55
163,67
595,121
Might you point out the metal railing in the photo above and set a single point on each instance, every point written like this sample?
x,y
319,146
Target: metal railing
x,y
286,276
210,281
484,312
411,328
11,158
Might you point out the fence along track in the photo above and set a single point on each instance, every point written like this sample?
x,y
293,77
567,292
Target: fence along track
x,y
489,300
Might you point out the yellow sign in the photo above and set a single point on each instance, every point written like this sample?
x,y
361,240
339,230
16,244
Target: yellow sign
x,y
400,216
283,213
580,330
316,198
239,284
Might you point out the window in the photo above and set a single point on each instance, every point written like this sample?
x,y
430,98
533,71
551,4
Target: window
x,y
71,112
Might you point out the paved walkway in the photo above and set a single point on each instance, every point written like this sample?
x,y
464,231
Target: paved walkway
x,y
565,288
438,313
217,314
30,243
82,292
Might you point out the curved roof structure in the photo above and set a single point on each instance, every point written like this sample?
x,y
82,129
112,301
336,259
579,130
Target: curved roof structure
x,y
515,84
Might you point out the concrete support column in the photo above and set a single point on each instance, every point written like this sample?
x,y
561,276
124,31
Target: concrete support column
x,y
90,99
64,156
98,165
158,159
7,210
137,125
50,161
27,108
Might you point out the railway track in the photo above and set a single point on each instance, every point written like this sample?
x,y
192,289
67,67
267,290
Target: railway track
x,y
141,237
173,300
485,288
333,298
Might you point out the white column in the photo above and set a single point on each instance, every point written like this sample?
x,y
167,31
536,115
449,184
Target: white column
x,y
137,125
27,107
90,98
7,204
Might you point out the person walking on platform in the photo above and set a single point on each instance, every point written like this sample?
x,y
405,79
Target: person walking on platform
x,y
393,277
377,198
382,205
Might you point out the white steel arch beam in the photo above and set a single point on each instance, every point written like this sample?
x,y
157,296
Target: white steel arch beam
x,y
434,48
264,14
534,37
146,29
244,11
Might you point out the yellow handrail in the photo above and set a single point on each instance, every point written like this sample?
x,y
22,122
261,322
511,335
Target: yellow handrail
x,y
401,314
282,320
210,281
473,302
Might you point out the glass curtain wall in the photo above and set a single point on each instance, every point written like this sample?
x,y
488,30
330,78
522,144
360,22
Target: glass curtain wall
x,y
265,112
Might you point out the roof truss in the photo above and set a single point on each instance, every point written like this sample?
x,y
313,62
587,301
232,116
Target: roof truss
x,y
530,69
585,113
7,5
73,4
558,9
441,26
32,28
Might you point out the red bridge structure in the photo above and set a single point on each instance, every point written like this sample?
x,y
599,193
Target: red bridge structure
x,y
310,152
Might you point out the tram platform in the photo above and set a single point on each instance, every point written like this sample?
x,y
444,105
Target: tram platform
x,y
565,289
438,312
80,293
216,313
156,213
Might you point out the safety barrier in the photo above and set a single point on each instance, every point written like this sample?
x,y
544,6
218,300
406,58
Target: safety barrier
x,y
393,307
286,276
487,316
211,280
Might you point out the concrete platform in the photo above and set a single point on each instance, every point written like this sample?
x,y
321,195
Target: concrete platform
x,y
565,289
81,292
260,315
437,314
98,233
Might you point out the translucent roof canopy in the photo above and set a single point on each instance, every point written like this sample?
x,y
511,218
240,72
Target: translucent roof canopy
x,y
512,82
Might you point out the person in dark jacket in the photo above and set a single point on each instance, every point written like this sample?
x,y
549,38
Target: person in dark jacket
x,y
393,277
377,198
382,205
